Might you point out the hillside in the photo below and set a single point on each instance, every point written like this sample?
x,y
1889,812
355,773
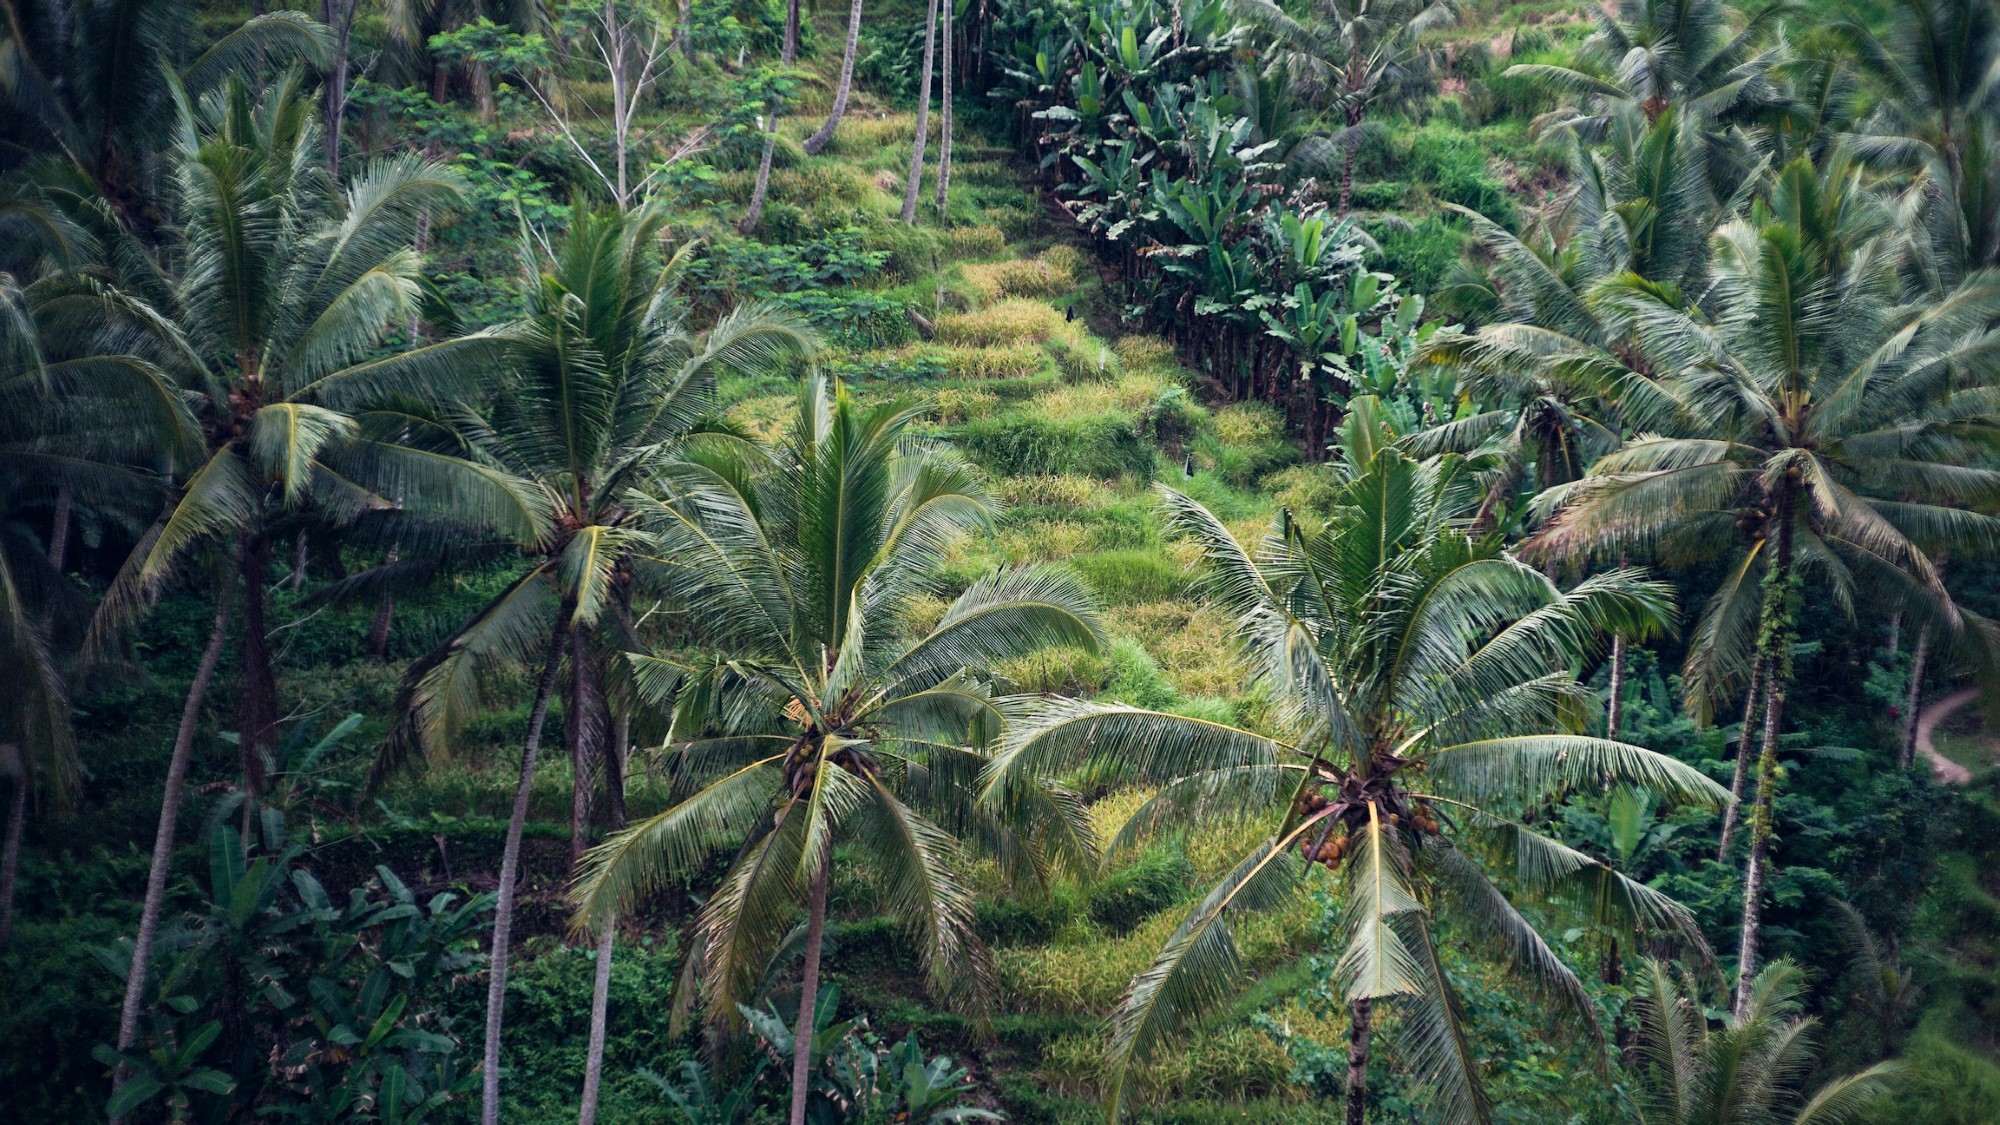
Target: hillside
x,y
1141,299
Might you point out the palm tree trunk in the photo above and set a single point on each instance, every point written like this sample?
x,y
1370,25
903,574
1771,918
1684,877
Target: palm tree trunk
x,y
378,629
600,992
257,699
1488,516
1760,844
163,836
59,529
1916,695
819,140
802,1034
10,857
1774,635
1357,1062
510,865
1614,711
915,185
1743,744
583,732
944,115
754,214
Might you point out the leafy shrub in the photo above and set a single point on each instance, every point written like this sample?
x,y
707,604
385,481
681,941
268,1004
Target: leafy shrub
x,y
1136,677
1019,441
1454,165
1127,897
1380,195
1943,1084
1421,253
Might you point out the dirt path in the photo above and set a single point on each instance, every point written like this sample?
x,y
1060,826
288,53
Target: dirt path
x,y
1933,713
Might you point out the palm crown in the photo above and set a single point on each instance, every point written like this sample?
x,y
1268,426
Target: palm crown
x,y
1427,699
815,721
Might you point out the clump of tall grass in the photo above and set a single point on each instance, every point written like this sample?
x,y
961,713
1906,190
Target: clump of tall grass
x,y
973,241
987,362
1010,322
1051,273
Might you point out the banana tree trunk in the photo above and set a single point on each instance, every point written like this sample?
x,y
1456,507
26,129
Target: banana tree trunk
x,y
1743,744
1775,637
1916,695
1357,1061
510,865
802,1034
915,185
817,143
163,836
600,993
10,857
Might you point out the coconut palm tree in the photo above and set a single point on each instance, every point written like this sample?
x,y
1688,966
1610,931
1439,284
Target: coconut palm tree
x,y
817,722
1426,703
823,136
1827,432
1701,58
276,393
95,81
1934,68
1746,1071
1354,56
603,381
916,179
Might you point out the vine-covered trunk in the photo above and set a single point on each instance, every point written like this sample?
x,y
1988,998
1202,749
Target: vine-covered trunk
x,y
1774,639
1744,741
163,835
915,185
802,1033
607,937
510,866
1488,516
817,143
1357,1061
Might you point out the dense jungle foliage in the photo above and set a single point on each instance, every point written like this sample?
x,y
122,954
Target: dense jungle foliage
x,y
1055,561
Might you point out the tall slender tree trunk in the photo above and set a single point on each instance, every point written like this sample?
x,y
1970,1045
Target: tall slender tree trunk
x,y
338,16
1614,711
59,528
1915,696
915,185
802,1033
257,695
945,114
378,629
584,733
817,143
1357,1061
600,992
510,866
1775,638
1744,741
163,835
10,856
754,213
